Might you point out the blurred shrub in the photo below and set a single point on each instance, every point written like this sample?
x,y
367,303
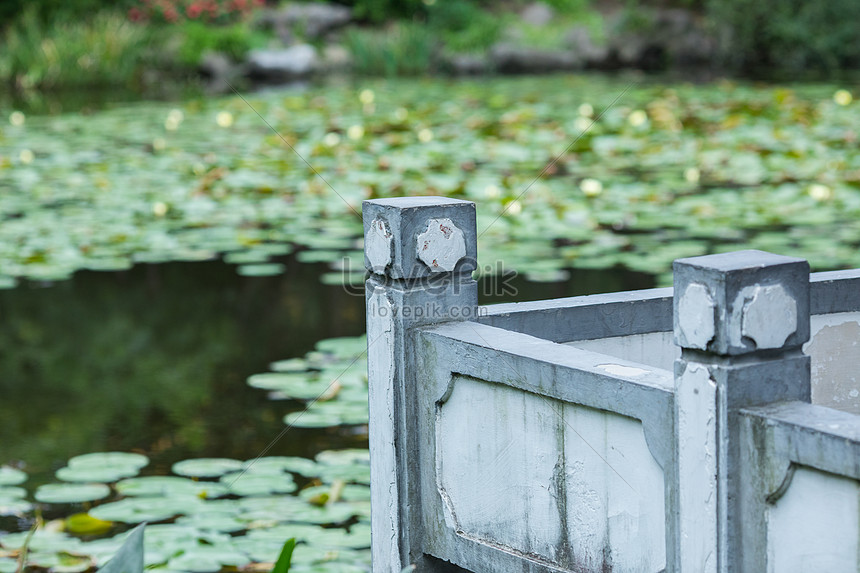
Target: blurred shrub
x,y
49,10
463,26
234,40
106,49
381,10
404,48
788,34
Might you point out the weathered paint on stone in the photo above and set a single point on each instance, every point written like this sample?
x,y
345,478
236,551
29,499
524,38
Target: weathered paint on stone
x,y
835,351
574,486
695,402
814,526
696,316
441,246
727,275
384,498
769,315
407,217
378,246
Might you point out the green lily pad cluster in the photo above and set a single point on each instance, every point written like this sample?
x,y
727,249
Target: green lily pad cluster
x,y
568,171
331,381
216,514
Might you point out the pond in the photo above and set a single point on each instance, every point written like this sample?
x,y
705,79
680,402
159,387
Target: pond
x,y
154,360
174,274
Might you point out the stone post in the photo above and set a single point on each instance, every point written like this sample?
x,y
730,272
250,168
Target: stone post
x,y
740,319
420,252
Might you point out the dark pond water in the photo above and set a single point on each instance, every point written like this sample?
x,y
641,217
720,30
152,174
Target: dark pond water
x,y
155,359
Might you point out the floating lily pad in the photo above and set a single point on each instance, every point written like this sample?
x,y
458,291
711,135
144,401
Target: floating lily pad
x,y
95,474
249,483
214,521
108,459
10,493
261,270
344,457
85,524
204,558
71,493
169,486
347,492
102,467
206,467
289,365
43,540
11,476
14,506
140,509
302,466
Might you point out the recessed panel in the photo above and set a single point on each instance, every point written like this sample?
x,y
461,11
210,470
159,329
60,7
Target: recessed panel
x,y
814,525
564,484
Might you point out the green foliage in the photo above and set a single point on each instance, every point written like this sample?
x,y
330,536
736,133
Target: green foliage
x,y
282,565
403,48
235,40
104,50
463,26
788,34
378,11
52,10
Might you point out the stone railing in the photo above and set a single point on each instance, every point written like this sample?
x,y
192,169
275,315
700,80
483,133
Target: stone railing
x,y
716,430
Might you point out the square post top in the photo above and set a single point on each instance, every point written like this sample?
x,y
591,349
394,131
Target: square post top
x,y
741,302
417,237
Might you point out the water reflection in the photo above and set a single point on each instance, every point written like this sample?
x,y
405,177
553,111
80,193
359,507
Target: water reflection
x,y
155,359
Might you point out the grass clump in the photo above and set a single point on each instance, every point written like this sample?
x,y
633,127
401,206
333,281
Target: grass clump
x,y
106,49
403,48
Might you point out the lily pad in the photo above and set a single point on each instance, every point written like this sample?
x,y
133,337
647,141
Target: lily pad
x,y
261,270
43,540
95,474
249,483
206,467
11,476
169,486
85,524
204,558
71,493
140,509
109,459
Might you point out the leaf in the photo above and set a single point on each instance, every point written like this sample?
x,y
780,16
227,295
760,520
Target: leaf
x,y
282,565
85,524
11,476
71,493
206,467
129,558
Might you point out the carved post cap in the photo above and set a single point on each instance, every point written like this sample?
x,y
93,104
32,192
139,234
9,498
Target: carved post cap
x,y
416,237
741,302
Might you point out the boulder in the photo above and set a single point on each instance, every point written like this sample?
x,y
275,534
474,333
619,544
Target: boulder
x,y
217,65
512,59
662,37
289,63
537,14
579,41
311,20
465,64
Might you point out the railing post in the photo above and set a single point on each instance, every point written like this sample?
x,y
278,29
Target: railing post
x,y
740,319
421,252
